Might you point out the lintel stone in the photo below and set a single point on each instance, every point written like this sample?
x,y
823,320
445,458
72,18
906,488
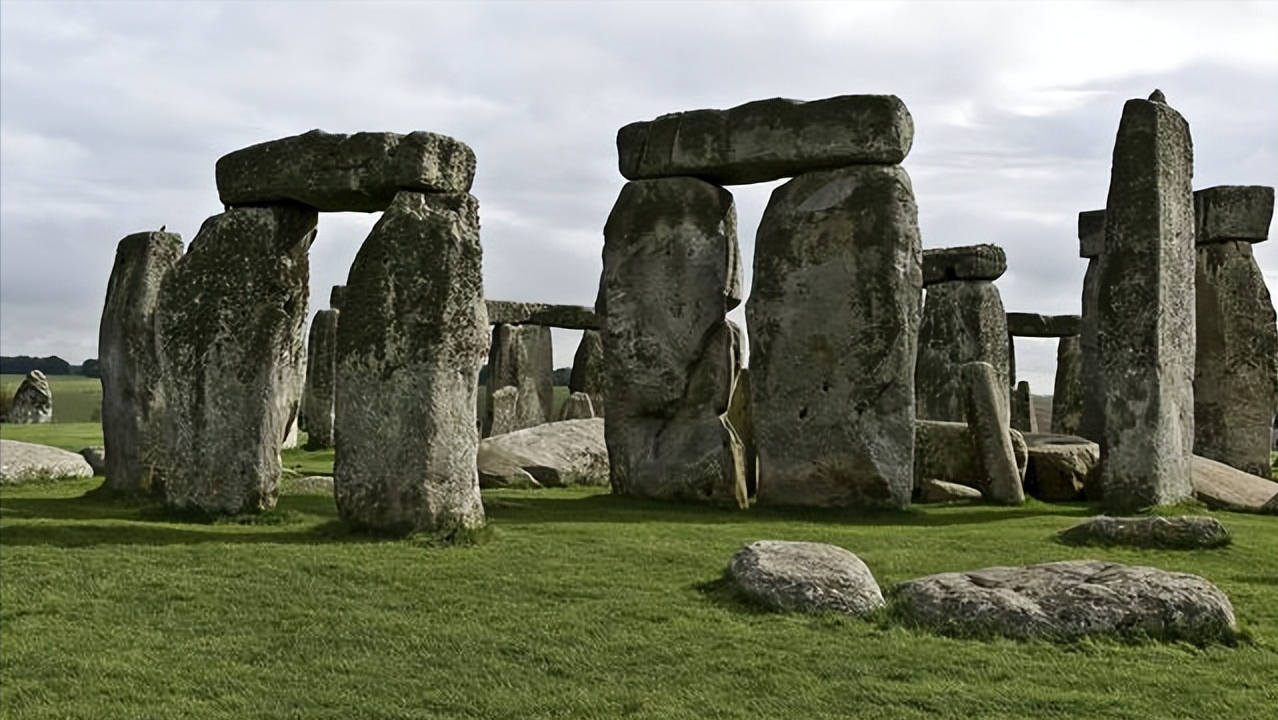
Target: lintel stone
x,y
1091,233
1233,212
1042,326
969,262
570,317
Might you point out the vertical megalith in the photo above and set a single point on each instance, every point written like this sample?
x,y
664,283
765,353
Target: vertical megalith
x,y
229,321
671,273
577,406
963,321
1021,408
32,402
987,420
321,378
1145,302
1091,242
127,357
1067,394
1236,368
412,337
521,356
833,319
588,370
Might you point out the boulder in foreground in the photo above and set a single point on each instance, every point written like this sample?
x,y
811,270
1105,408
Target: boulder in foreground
x,y
805,577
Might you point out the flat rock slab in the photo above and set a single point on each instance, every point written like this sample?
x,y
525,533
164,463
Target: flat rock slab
x,y
558,454
1222,487
344,173
1069,600
768,139
968,262
1188,532
570,317
1043,326
805,577
1233,212
24,462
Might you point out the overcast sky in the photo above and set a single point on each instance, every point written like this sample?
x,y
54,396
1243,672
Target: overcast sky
x,y
113,114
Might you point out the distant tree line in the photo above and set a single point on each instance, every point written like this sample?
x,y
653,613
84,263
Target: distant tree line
x,y
52,365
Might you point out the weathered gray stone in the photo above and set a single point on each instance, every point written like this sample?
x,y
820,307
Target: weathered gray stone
x,y
1236,364
767,139
571,317
968,262
95,455
412,337
833,318
307,485
1091,424
588,372
1222,487
1060,466
988,421
127,357
344,173
521,356
503,409
1023,417
1146,311
1069,600
336,296
1043,326
24,462
741,417
947,451
963,322
32,402
1187,532
671,273
1228,213
558,454
1091,233
229,319
577,406
1067,395
805,577
321,380
940,491
1020,451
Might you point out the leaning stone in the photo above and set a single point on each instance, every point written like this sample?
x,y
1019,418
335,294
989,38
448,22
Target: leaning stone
x,y
940,491
1091,233
321,377
1236,364
521,356
987,419
1187,532
344,173
1060,466
1043,326
95,455
804,577
558,454
588,370
1146,319
1069,600
127,358
768,139
833,318
969,262
229,319
25,462
571,317
408,371
32,402
671,273
1228,213
963,321
1023,416
1222,487
577,406
1067,394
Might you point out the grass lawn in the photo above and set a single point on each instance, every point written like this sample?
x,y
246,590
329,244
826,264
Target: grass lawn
x,y
579,605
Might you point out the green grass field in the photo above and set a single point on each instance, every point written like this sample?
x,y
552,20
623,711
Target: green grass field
x,y
76,399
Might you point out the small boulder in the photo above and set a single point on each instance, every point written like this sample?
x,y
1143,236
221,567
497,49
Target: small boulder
x,y
571,452
940,491
1059,466
1188,532
32,401
805,577
25,462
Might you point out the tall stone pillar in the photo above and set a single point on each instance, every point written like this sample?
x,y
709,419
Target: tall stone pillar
x,y
588,370
520,357
963,322
1236,368
321,378
1146,311
1067,394
128,362
1091,242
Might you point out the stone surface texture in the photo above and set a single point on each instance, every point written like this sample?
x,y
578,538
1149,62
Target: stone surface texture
x,y
967,262
1091,233
412,337
521,356
344,173
671,273
336,297
833,319
940,491
1146,318
1233,212
1060,466
558,454
577,406
805,577
588,372
229,319
319,396
1023,416
32,402
1067,394
1222,487
741,417
767,139
963,321
1068,600
24,462
987,419
1043,326
571,317
1186,532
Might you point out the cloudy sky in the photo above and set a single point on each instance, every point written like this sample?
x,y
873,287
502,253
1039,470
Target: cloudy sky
x,y
112,115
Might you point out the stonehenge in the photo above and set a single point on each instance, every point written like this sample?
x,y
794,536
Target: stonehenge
x,y
1067,389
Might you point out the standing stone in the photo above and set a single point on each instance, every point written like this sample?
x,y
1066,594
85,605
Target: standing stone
x,y
988,421
1146,320
521,357
410,343
588,374
33,401
1091,242
229,320
577,406
671,273
963,321
321,372
833,319
127,357
1236,367
1067,395
1022,409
